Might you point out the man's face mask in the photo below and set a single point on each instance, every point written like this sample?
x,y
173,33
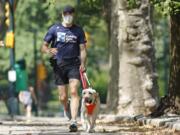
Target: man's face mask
x,y
68,19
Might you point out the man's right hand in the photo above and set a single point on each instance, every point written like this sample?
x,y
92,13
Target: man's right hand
x,y
52,51
46,49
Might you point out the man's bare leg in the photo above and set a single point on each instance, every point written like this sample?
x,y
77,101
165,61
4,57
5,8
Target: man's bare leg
x,y
63,95
73,85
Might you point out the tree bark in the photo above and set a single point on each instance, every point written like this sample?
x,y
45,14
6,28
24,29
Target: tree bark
x,y
133,80
170,104
174,82
112,15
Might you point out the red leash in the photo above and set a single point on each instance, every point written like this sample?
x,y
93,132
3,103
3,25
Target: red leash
x,y
83,79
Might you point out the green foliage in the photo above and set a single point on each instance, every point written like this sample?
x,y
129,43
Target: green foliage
x,y
100,84
163,6
3,89
4,84
2,20
133,4
4,60
167,6
4,53
162,41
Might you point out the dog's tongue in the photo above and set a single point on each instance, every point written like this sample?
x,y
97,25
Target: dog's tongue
x,y
90,108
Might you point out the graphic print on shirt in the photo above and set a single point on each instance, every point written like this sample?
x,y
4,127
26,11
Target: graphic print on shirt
x,y
66,37
61,36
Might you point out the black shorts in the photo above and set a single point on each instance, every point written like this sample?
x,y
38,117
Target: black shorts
x,y
68,71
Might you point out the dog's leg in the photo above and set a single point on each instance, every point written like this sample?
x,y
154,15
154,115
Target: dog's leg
x,y
91,125
94,116
83,121
88,124
93,122
83,115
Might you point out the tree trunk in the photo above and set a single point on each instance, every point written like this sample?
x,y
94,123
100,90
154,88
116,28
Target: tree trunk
x,y
112,96
170,104
174,82
133,80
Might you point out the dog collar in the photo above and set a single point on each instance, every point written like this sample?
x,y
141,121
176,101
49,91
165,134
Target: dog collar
x,y
90,108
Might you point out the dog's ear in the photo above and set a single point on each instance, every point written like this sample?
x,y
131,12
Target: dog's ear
x,y
96,94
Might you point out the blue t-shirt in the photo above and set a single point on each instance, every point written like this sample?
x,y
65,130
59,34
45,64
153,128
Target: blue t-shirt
x,y
66,39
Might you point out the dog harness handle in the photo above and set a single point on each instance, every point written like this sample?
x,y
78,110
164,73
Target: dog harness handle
x,y
85,75
83,80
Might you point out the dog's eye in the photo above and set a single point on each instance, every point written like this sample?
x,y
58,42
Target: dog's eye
x,y
90,93
84,93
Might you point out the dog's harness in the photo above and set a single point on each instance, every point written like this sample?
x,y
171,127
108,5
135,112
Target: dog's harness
x,y
90,108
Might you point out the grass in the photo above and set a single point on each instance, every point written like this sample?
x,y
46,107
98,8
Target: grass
x,y
3,109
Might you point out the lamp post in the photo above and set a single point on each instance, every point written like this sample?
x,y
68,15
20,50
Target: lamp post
x,y
10,39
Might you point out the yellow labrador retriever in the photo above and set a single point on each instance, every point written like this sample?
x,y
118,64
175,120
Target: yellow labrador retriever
x,y
90,106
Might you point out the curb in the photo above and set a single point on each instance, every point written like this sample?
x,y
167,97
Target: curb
x,y
171,122
167,122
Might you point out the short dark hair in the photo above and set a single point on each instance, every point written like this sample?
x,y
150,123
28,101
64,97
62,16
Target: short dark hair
x,y
68,9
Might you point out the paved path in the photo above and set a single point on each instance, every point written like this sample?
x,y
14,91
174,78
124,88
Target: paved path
x,y
108,125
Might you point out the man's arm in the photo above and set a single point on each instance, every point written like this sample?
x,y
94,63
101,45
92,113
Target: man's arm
x,y
45,49
83,56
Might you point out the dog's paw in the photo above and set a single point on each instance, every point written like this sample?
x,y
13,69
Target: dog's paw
x,y
84,127
90,131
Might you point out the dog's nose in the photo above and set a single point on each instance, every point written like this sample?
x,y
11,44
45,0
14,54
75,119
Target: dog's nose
x,y
86,98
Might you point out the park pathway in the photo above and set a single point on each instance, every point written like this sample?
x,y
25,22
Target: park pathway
x,y
59,126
